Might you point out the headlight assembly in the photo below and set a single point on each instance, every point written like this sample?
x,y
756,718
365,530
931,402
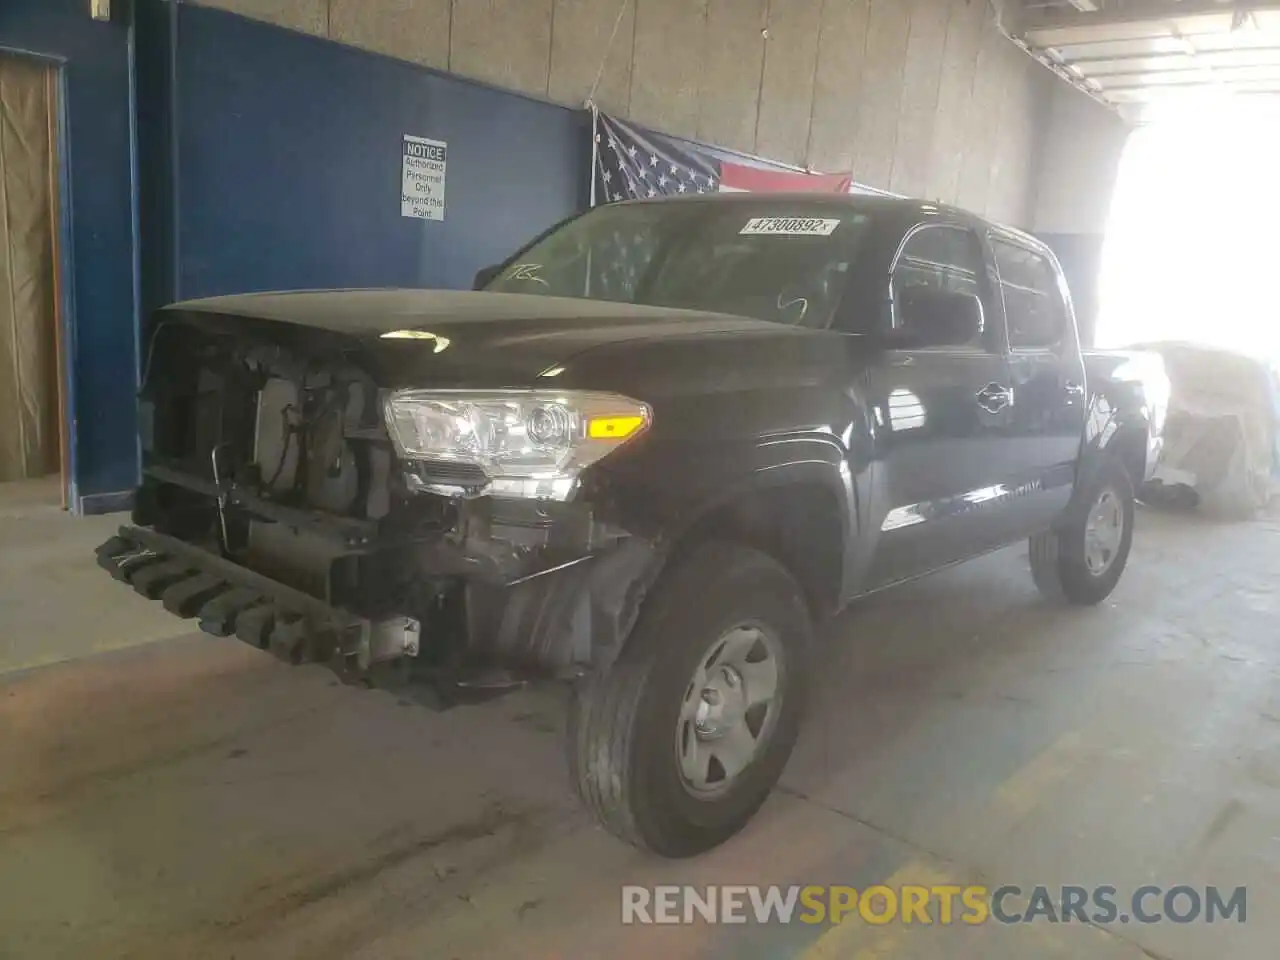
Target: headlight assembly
x,y
528,443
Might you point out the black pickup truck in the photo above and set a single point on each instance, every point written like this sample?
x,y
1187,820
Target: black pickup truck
x,y
645,456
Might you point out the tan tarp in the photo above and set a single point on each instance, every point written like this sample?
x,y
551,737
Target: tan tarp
x,y
1219,431
28,345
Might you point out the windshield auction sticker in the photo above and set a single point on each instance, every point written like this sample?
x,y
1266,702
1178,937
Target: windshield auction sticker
x,y
422,171
790,226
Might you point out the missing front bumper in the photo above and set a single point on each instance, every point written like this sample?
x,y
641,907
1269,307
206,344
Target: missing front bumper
x,y
476,629
226,598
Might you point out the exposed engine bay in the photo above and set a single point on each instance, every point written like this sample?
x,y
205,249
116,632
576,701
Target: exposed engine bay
x,y
273,507
314,442
301,431
229,423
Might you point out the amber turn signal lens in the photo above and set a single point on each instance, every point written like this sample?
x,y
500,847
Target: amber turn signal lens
x,y
614,428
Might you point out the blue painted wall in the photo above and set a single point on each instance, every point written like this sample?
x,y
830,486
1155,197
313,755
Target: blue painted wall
x,y
285,152
266,160
98,201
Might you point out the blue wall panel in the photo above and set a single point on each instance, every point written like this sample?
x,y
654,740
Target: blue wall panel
x,y
268,160
154,28
288,153
97,154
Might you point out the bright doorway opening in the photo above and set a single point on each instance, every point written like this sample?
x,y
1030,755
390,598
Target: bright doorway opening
x,y
1191,249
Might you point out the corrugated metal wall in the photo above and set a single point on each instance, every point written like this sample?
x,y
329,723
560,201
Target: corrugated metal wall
x,y
923,97
1083,144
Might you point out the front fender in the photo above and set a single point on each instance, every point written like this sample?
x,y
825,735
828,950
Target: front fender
x,y
797,498
1114,430
816,461
578,613
1129,400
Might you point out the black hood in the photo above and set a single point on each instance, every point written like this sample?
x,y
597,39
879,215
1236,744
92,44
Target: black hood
x,y
425,337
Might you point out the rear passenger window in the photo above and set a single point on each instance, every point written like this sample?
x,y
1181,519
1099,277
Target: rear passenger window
x,y
1033,304
939,258
944,258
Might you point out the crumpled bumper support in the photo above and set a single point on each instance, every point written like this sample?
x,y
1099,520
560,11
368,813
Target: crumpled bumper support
x,y
553,623
227,599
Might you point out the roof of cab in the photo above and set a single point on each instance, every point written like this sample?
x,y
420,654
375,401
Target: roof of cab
x,y
864,200
870,202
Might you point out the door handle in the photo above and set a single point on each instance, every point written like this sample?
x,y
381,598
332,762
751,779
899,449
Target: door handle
x,y
994,397
1073,388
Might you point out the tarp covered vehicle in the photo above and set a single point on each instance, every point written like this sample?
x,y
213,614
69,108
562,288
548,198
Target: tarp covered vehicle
x,y
1220,436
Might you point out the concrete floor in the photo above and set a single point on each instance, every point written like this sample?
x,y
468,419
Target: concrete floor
x,y
194,798
55,604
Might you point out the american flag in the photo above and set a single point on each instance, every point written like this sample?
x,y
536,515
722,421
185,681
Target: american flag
x,y
633,163
620,259
636,164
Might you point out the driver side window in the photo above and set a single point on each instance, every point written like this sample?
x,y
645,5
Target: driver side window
x,y
942,258
603,255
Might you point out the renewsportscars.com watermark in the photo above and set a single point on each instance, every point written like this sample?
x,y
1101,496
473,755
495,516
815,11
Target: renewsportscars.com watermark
x,y
938,904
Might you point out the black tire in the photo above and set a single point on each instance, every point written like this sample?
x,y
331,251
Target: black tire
x,y
1058,563
623,722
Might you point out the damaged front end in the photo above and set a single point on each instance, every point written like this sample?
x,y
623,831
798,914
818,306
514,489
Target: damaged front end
x,y
277,506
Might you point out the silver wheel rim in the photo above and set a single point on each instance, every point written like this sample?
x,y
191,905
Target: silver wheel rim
x,y
1103,532
730,709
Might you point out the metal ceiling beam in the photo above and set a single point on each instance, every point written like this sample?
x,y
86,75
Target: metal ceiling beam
x,y
1189,74
1180,94
1197,78
1121,12
1004,11
1158,59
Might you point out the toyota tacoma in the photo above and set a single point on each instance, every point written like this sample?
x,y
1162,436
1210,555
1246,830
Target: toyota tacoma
x,y
645,456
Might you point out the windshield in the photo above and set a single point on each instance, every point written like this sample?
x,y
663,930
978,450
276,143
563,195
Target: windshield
x,y
782,260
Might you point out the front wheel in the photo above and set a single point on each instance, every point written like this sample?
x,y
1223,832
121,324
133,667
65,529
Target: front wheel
x,y
1082,559
677,745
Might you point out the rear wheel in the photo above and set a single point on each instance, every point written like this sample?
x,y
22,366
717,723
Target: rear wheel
x,y
678,744
1083,558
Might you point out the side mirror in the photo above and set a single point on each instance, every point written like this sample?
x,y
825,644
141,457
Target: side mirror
x,y
485,276
939,318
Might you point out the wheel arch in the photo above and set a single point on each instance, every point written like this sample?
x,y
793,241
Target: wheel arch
x,y
1113,432
803,514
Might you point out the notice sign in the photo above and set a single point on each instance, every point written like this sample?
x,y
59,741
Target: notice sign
x,y
422,178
